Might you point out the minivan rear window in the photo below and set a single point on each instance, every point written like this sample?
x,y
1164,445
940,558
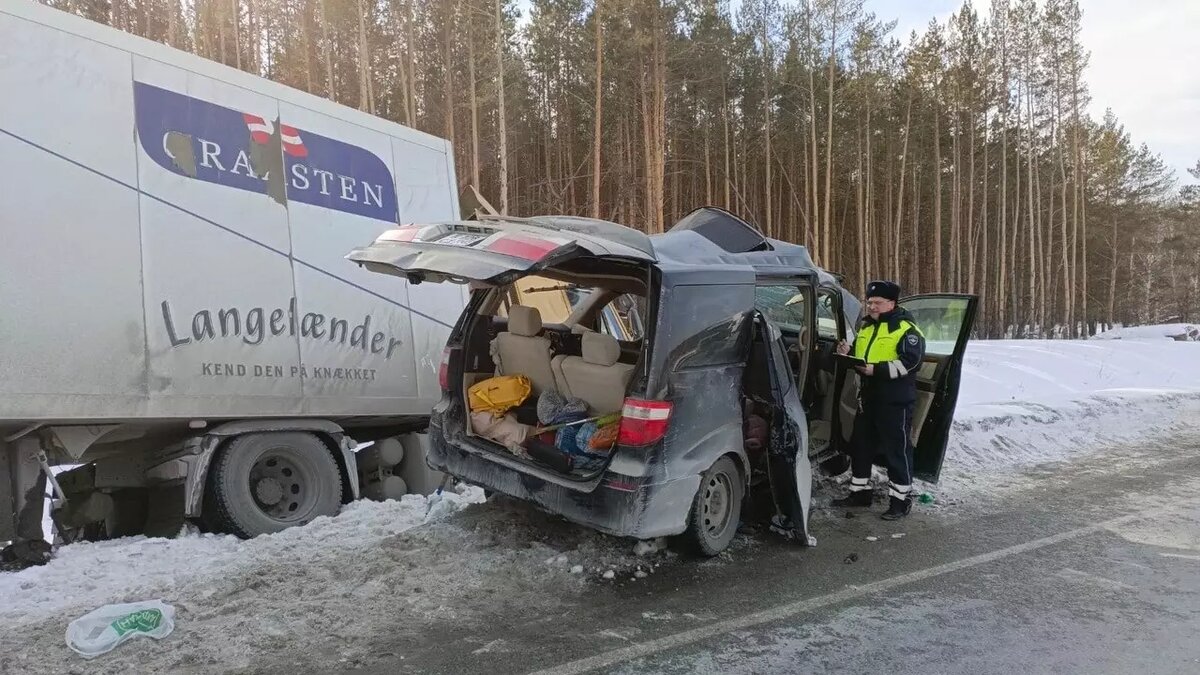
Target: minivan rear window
x,y
555,300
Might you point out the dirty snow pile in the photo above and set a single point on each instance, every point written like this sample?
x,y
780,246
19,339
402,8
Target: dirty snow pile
x,y
375,571
1023,402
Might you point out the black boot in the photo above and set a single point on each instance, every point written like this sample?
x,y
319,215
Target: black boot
x,y
898,509
858,498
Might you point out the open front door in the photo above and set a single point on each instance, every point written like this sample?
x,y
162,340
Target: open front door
x,y
834,388
787,465
946,320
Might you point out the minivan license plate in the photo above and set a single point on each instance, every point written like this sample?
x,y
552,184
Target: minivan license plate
x,y
461,239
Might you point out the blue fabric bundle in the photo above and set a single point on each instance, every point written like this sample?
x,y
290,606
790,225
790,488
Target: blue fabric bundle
x,y
565,438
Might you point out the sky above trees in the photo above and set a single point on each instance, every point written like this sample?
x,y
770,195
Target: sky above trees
x,y
1128,41
1140,53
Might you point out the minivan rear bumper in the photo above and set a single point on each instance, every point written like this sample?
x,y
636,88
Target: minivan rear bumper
x,y
617,504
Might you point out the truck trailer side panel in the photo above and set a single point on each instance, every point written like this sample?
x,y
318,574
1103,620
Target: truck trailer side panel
x,y
174,233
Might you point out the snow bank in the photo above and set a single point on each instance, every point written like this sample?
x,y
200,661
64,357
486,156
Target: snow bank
x,y
1173,331
1024,402
91,574
1046,372
325,597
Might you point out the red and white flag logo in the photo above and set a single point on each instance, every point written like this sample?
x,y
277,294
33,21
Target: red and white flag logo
x,y
261,130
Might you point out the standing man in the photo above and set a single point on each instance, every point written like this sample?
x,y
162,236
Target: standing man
x,y
890,342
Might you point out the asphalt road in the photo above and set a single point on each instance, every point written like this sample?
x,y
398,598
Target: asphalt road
x,y
1087,567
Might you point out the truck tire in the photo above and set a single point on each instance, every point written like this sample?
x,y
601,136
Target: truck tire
x,y
717,509
267,482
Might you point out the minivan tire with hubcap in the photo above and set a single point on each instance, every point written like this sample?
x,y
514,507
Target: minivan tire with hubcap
x,y
717,508
262,483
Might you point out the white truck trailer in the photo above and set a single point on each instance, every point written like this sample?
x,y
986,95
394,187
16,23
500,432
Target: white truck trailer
x,y
176,312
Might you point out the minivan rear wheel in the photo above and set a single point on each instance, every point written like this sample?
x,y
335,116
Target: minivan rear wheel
x,y
717,508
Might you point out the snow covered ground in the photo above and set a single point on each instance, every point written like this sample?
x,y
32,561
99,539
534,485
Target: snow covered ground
x,y
375,570
387,569
1174,331
1031,401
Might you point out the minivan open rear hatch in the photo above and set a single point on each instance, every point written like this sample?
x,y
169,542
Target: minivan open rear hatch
x,y
497,250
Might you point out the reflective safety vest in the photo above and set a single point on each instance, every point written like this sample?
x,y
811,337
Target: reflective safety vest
x,y
876,344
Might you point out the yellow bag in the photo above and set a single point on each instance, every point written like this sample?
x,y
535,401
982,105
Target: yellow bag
x,y
500,394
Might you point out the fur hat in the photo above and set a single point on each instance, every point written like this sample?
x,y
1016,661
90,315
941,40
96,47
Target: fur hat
x,y
888,290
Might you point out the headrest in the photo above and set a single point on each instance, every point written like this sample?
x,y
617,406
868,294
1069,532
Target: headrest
x,y
524,320
600,349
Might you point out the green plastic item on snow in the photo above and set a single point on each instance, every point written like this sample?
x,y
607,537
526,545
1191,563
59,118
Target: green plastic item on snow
x,y
925,498
101,630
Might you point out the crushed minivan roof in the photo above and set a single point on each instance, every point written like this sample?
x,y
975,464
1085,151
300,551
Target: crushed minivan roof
x,y
711,236
497,249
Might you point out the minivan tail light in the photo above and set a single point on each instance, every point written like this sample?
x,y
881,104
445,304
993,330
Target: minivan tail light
x,y
643,422
444,369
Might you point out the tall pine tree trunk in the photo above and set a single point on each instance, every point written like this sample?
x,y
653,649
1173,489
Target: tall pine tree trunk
x,y
896,234
725,121
972,238
916,280
984,277
938,279
827,224
410,92
708,186
448,69
955,258
1031,212
860,210
235,13
767,67
328,46
1078,214
475,169
599,115
366,93
1002,281
818,230
500,111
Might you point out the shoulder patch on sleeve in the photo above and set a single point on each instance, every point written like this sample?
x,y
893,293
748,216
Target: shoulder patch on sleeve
x,y
912,340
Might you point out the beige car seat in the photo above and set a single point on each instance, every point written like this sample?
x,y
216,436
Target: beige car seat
x,y
521,351
595,377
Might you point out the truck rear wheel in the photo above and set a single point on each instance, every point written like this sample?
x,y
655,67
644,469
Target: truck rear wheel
x,y
262,483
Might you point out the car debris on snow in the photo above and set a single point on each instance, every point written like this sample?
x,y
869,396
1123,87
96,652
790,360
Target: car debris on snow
x,y
649,546
371,561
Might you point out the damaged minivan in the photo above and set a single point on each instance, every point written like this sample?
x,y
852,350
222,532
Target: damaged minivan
x,y
652,386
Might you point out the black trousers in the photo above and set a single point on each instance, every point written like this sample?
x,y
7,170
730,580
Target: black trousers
x,y
883,429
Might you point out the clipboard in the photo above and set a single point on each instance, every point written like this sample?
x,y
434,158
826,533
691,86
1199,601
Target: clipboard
x,y
849,361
